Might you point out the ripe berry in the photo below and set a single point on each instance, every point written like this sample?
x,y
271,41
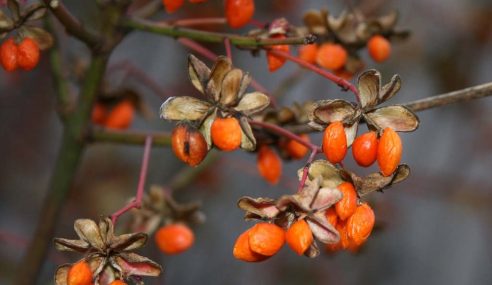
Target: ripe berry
x,y
360,224
243,252
9,55
308,53
365,149
79,274
389,151
239,12
28,54
335,142
189,145
299,236
269,164
117,282
266,239
331,56
121,116
346,207
99,113
276,62
296,150
226,133
172,5
331,216
174,238
197,1
379,48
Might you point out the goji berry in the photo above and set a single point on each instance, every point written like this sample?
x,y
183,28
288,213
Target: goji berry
x,y
121,116
9,55
188,145
28,54
389,151
79,274
379,48
295,149
346,207
360,224
243,252
365,149
174,238
269,164
266,239
226,133
335,142
239,12
331,56
299,236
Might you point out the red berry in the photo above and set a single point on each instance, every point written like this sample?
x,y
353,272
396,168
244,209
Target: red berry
x,y
121,116
331,56
226,133
189,145
379,48
9,55
390,150
172,5
276,62
239,12
335,142
269,164
174,238
28,54
365,149
308,53
346,207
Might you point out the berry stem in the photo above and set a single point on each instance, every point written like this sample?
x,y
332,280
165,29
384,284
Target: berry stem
x,y
198,22
227,45
137,202
305,170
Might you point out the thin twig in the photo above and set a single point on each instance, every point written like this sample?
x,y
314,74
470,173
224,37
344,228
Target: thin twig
x,y
227,45
197,22
305,170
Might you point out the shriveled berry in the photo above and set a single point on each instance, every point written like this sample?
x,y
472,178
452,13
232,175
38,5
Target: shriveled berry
x,y
360,224
243,252
239,12
121,116
276,62
269,164
331,56
365,149
79,274
299,237
188,145
379,48
174,238
9,55
335,142
99,113
266,239
28,54
389,151
295,149
308,53
346,207
117,282
226,133
331,216
172,5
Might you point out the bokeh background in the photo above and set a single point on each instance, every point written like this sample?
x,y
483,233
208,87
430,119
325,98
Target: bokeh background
x,y
435,228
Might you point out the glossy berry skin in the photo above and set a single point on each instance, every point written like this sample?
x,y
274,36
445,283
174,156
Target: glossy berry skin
x,y
226,133
239,12
8,55
172,5
308,53
346,207
296,150
344,238
121,116
269,164
275,62
188,145
266,239
360,224
99,113
331,56
28,54
332,216
390,149
79,274
117,282
335,142
379,48
299,237
174,238
243,252
365,149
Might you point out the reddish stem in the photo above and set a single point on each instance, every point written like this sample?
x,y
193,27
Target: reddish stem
x,y
305,170
227,45
137,202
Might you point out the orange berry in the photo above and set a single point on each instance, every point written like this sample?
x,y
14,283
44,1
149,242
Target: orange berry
x,y
172,5
117,282
296,150
344,238
197,1
346,207
379,48
308,53
331,56
331,216
276,62
335,142
266,239
239,12
243,252
174,238
269,164
28,54
360,224
226,133
9,55
389,151
299,236
365,149
189,145
79,274
99,113
121,116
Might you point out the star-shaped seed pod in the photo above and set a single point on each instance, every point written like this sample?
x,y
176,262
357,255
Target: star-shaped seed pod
x,y
319,194
371,94
224,90
109,256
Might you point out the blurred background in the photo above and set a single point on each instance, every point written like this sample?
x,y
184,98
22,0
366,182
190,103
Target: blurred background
x,y
435,228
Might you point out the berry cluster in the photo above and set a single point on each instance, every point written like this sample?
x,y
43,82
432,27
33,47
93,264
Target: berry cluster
x,y
24,55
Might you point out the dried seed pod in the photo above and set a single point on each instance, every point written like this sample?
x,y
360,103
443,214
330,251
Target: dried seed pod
x,y
360,224
174,238
379,48
389,151
121,116
9,55
28,54
188,145
239,12
308,53
346,207
226,133
299,237
335,142
296,150
365,149
269,164
79,274
266,239
243,252
331,56
276,62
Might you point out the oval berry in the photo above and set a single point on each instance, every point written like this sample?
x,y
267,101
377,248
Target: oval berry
x,y
346,207
269,164
172,5
188,145
121,116
299,237
243,252
266,239
295,149
332,216
239,12
379,48
308,53
174,238
389,151
8,55
335,142
365,149
226,133
28,54
360,224
331,56
79,274
276,62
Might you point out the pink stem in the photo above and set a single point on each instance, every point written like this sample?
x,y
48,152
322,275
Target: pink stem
x,y
305,170
227,44
137,202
